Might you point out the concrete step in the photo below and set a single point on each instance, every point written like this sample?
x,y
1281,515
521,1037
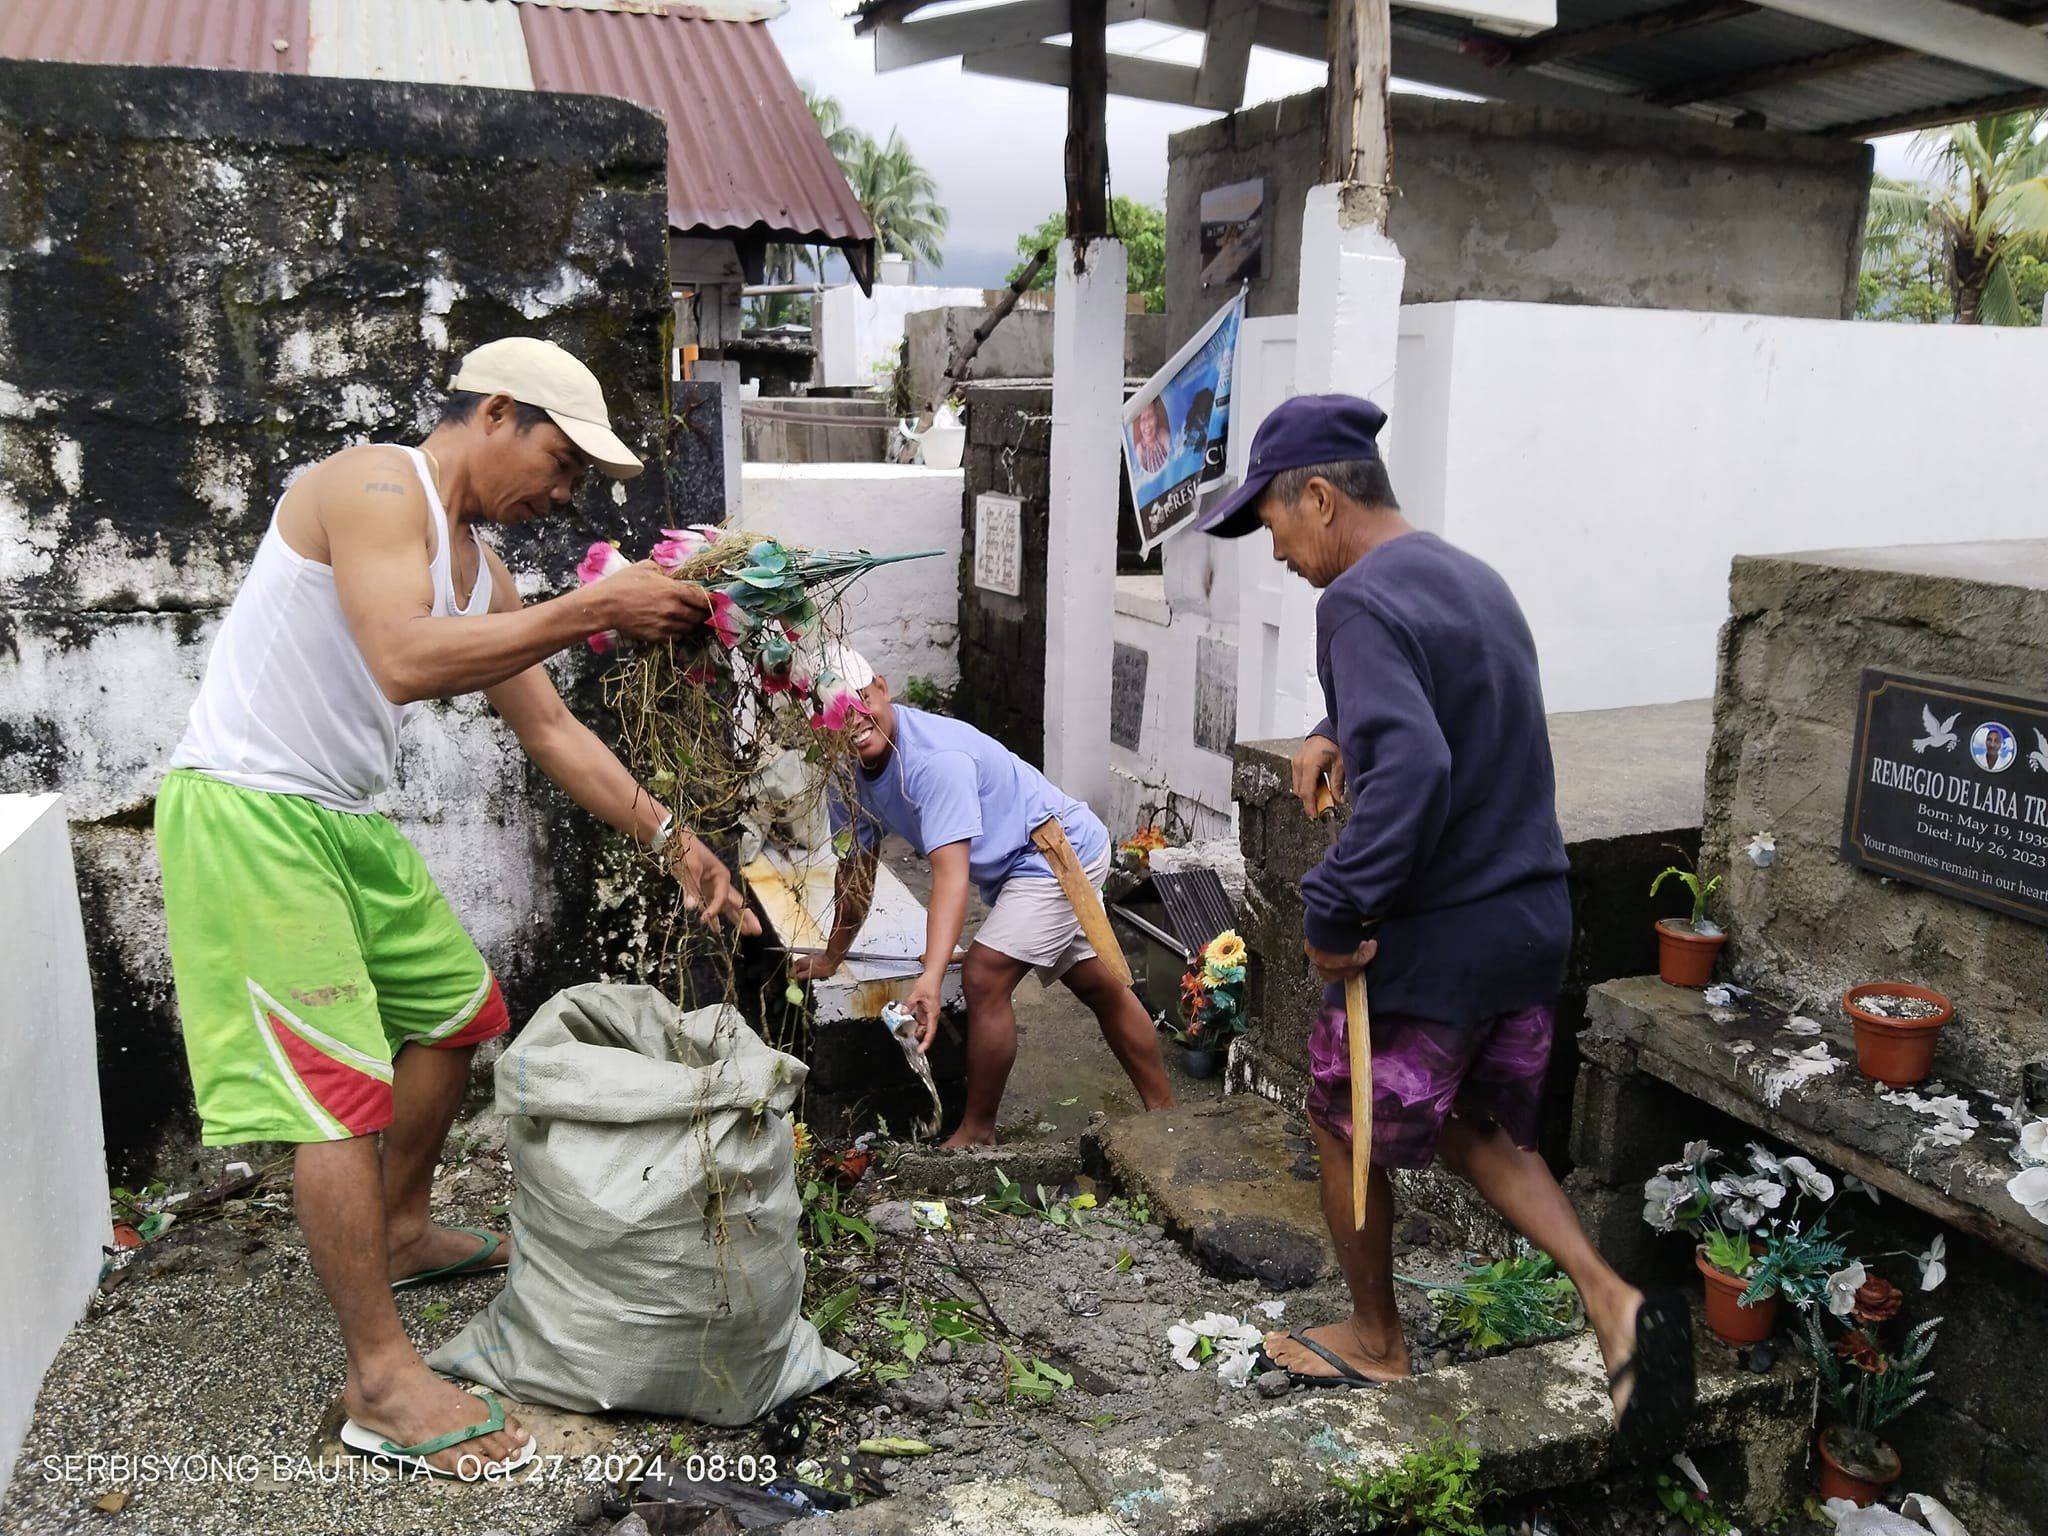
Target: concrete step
x,y
1234,1180
1539,1417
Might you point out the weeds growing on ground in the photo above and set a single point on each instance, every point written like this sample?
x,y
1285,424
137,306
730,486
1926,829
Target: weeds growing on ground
x,y
1435,1490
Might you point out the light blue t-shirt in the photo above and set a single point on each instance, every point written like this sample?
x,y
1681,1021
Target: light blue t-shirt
x,y
945,782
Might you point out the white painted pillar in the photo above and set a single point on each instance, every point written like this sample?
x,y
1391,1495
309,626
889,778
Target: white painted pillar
x,y
1080,575
53,1197
1347,329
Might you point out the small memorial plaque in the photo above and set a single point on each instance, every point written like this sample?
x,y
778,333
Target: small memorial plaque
x,y
999,544
1949,789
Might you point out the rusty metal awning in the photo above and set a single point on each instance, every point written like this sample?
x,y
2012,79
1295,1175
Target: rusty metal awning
x,y
746,162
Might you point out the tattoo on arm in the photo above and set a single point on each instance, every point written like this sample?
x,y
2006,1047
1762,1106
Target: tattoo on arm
x,y
384,487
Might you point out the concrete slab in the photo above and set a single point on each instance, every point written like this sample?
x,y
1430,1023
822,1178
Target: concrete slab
x,y
1725,1057
1233,1180
1539,1417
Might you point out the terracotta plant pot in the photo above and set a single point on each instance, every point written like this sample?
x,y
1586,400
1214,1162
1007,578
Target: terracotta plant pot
x,y
1895,1052
1198,1063
1727,1318
1856,1485
1685,958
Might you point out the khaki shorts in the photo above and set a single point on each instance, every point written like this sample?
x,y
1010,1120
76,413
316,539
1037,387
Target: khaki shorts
x,y
1033,921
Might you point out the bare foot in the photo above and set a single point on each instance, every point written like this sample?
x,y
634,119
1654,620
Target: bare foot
x,y
437,1247
419,1405
970,1136
1347,1343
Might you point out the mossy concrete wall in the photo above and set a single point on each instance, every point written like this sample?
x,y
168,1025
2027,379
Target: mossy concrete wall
x,y
1801,631
208,281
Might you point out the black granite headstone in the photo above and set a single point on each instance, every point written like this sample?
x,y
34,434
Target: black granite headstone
x,y
1127,695
1215,694
1948,788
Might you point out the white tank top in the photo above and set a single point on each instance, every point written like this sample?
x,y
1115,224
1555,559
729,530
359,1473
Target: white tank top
x,y
288,704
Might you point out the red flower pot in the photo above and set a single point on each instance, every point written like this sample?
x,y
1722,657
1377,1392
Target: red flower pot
x,y
1895,1052
1727,1318
1685,958
1858,1486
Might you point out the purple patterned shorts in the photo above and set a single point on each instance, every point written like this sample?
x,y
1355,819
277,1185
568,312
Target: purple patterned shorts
x,y
1424,1072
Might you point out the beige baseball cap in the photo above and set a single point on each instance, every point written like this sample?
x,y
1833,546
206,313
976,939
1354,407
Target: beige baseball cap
x,y
539,373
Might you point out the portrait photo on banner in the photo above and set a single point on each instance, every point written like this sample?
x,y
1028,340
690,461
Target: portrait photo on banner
x,y
1177,429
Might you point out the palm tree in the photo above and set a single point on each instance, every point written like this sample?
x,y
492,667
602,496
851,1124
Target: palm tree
x,y
1987,205
841,137
900,197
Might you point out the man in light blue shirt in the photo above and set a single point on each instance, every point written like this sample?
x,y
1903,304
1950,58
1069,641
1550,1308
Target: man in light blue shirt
x,y
969,805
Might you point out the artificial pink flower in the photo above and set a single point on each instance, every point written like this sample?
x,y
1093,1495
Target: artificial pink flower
x,y
601,643
729,621
835,704
681,544
600,562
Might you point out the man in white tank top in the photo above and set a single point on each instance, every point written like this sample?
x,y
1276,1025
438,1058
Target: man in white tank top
x,y
328,994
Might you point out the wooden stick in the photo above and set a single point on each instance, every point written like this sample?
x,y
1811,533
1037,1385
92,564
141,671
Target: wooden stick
x,y
1358,1036
1358,1042
963,357
1051,840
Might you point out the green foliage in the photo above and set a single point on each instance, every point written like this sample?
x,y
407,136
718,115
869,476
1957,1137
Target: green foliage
x,y
1984,208
433,1312
920,692
1509,1301
834,1310
1905,279
1143,232
825,1221
900,197
1693,1508
1435,1490
1730,1252
1796,1263
1035,1382
1691,881
1865,1399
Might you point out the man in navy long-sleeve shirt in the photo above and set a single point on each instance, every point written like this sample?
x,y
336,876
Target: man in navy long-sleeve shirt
x,y
1446,885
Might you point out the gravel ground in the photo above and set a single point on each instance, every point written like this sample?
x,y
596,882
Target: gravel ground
x,y
216,1344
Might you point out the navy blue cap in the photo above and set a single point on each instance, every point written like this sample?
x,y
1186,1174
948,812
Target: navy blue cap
x,y
1298,432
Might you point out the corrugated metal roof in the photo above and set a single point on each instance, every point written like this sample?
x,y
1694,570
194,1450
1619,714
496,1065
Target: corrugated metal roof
x,y
745,157
220,34
745,162
436,42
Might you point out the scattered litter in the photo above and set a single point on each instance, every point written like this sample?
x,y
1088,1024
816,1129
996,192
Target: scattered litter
x,y
1271,1310
1692,1473
1742,1048
1718,997
1893,1005
1905,1521
1763,850
1799,1024
1799,1067
902,1023
892,1447
238,1171
930,1214
1723,1015
112,1503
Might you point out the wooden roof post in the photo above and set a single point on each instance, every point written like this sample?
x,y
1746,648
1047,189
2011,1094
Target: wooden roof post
x,y
1087,122
1358,154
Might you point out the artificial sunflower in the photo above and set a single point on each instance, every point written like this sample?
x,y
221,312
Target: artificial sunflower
x,y
1226,950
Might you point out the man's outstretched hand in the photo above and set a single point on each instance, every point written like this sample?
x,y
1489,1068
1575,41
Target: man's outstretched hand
x,y
923,1004
1340,967
708,888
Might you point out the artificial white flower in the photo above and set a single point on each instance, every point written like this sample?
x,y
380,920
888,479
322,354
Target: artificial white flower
x,y
1271,1309
1763,850
1809,1178
1745,1199
2030,1188
1183,1339
2034,1141
1696,1153
1663,1199
1761,1160
1932,1270
1227,1336
1236,1369
1843,1286
1855,1186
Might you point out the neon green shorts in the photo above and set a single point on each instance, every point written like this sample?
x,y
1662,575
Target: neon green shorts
x,y
308,946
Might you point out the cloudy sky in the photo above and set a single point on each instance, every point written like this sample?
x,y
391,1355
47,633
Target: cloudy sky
x,y
996,146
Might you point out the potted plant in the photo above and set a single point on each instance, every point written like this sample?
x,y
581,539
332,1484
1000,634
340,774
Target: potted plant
x,y
1864,1385
1212,1002
1688,947
1897,1028
1722,1209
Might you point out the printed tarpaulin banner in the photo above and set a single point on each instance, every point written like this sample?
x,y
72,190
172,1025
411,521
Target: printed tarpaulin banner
x,y
1177,429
